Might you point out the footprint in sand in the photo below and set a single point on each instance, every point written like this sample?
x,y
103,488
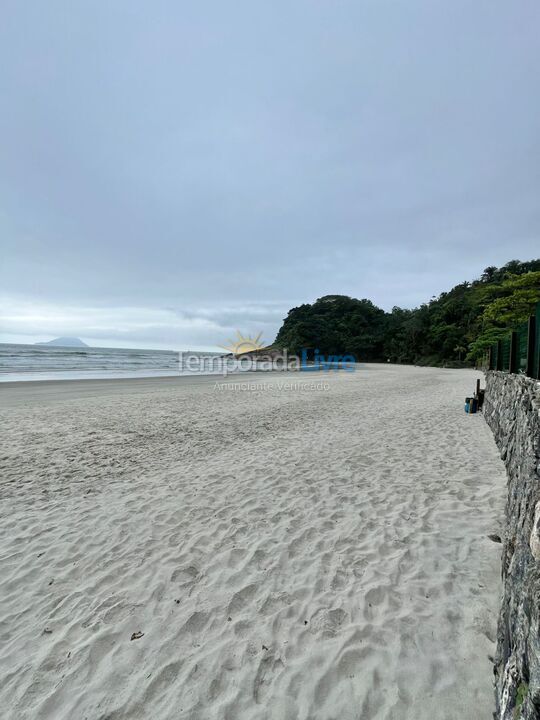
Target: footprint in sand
x,y
327,622
186,575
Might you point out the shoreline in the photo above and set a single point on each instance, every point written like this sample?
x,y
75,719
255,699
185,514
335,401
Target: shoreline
x,y
93,376
52,390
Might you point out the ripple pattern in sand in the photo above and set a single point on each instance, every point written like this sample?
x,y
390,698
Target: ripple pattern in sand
x,y
295,556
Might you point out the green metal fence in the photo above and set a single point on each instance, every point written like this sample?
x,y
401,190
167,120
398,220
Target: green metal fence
x,y
519,352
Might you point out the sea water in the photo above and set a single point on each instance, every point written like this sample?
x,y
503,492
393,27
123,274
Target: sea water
x,y
49,362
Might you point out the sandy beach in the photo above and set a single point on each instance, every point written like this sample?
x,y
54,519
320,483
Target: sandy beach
x,y
173,549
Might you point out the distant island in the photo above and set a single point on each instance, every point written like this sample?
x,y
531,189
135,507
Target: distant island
x,y
65,342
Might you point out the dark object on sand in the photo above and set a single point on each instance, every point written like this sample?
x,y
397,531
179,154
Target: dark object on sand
x,y
479,394
471,405
137,635
475,403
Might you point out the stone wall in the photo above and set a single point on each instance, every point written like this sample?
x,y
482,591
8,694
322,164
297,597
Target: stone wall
x,y
512,410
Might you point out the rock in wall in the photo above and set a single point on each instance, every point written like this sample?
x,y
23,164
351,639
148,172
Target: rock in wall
x,y
512,410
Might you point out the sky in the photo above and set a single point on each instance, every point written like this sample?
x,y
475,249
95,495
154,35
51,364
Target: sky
x,y
173,171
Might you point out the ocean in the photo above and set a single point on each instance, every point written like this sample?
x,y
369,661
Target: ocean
x,y
49,362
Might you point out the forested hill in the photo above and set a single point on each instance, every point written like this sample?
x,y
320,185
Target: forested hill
x,y
453,329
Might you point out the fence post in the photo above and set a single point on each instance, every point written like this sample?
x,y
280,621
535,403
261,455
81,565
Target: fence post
x,y
537,351
499,355
531,345
513,352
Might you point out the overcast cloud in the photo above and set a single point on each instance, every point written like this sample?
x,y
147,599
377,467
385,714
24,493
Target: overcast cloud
x,y
172,171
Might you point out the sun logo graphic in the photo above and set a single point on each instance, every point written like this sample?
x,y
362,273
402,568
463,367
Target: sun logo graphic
x,y
244,344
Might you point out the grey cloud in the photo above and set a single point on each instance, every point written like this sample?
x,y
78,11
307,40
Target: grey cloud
x,y
231,161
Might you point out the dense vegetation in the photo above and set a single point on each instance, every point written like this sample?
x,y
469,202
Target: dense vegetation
x,y
453,329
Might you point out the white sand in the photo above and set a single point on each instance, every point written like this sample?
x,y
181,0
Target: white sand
x,y
287,554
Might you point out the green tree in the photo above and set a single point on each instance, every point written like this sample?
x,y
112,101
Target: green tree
x,y
471,316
